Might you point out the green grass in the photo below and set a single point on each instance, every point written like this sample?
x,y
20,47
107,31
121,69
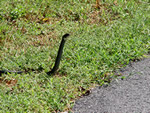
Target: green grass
x,y
102,41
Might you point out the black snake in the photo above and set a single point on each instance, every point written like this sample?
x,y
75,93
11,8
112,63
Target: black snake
x,y
57,61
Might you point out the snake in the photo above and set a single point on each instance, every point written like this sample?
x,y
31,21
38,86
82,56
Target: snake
x,y
57,61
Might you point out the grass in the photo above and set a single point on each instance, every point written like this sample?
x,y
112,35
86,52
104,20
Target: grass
x,y
102,41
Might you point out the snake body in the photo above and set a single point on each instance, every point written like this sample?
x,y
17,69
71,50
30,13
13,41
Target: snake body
x,y
60,51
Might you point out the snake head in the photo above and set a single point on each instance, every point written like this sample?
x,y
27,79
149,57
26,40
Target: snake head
x,y
65,36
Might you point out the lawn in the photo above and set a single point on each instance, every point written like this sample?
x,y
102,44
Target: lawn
x,y
103,38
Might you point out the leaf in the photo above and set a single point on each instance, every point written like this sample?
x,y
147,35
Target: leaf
x,y
8,83
45,19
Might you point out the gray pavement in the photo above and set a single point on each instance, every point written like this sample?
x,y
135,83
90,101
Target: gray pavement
x,y
130,95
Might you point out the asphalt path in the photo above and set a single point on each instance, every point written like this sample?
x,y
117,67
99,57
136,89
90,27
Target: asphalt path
x,y
129,95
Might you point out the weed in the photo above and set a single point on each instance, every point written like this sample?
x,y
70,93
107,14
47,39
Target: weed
x,y
103,38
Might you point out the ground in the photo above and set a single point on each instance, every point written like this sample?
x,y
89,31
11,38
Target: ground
x,y
128,94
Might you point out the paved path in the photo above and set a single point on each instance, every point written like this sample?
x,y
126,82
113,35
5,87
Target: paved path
x,y
131,95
